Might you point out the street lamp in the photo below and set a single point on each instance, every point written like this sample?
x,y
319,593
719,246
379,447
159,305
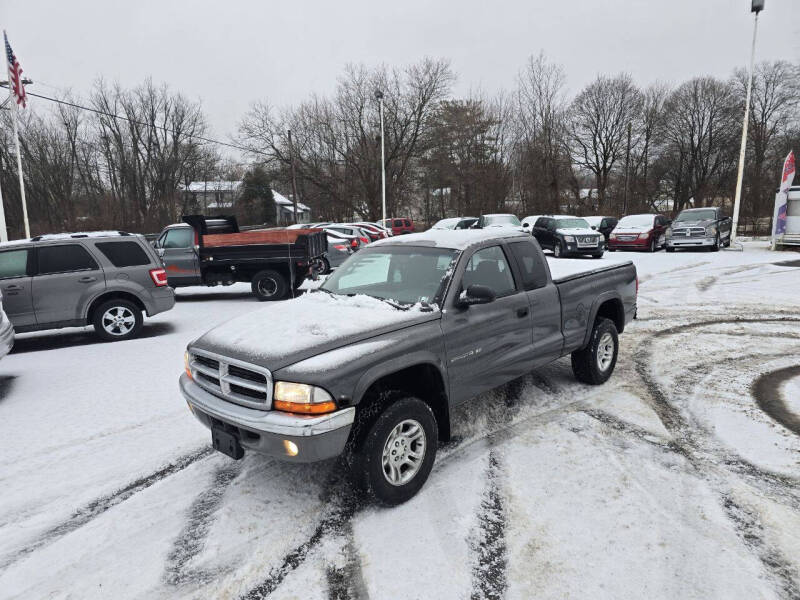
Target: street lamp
x,y
756,7
379,98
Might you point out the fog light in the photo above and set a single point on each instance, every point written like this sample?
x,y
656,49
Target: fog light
x,y
291,448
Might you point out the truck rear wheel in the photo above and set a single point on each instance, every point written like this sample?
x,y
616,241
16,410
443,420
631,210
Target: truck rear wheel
x,y
396,455
268,285
595,363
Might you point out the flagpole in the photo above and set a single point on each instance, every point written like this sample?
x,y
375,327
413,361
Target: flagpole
x,y
19,164
3,230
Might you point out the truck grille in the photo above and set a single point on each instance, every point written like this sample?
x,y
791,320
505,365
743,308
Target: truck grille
x,y
697,232
628,238
589,241
230,379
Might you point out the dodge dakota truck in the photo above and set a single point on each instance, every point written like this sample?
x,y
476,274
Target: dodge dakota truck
x,y
372,363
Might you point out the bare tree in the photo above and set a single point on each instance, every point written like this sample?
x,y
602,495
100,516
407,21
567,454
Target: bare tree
x,y
599,118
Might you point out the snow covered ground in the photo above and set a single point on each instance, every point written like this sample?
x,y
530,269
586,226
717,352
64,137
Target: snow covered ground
x,y
678,478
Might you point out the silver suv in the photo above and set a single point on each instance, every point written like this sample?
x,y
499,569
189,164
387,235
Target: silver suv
x,y
105,279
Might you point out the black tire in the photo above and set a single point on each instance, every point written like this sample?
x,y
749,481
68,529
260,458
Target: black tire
x,y
114,316
652,246
268,285
324,266
717,244
585,362
612,249
558,249
670,248
367,465
598,255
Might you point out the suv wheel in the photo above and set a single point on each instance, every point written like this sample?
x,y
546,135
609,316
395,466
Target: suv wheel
x,y
595,363
397,453
268,285
117,320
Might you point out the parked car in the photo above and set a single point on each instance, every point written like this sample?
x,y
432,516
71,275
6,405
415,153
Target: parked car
x,y
604,225
639,232
6,332
213,251
699,228
404,332
375,232
102,279
455,223
339,250
498,220
352,230
567,236
528,222
399,226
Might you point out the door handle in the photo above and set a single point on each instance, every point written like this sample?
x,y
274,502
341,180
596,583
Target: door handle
x,y
13,288
522,312
87,279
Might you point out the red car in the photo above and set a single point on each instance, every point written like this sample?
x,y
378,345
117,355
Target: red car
x,y
639,232
399,226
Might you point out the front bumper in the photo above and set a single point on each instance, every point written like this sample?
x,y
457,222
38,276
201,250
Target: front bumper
x,y
6,335
636,244
690,242
573,248
267,432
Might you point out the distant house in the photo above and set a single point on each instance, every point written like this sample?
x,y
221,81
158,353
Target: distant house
x,y
218,196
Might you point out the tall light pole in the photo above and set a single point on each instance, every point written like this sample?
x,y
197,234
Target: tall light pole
x,y
379,98
756,7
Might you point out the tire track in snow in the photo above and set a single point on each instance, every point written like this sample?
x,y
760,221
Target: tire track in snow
x,y
97,507
696,446
346,582
766,391
489,571
191,539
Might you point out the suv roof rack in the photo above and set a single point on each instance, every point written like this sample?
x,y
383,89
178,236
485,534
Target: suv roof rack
x,y
87,234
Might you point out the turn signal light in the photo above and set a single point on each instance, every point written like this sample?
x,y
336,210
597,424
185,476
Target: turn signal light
x,y
186,367
319,408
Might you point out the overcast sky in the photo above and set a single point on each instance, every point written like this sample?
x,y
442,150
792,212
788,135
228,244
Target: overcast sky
x,y
229,54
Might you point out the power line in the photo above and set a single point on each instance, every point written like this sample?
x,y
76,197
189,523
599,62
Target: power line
x,y
142,123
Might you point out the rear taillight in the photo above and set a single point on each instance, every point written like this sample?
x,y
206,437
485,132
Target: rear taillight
x,y
354,243
159,277
364,240
340,247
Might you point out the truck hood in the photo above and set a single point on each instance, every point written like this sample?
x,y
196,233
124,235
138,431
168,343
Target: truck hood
x,y
696,223
286,332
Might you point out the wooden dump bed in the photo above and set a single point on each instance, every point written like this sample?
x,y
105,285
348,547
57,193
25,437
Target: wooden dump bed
x,y
255,237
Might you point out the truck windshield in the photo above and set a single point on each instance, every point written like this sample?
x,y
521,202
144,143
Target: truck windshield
x,y
501,220
402,274
572,224
697,215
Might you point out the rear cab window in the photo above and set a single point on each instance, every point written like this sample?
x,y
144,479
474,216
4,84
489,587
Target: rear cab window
x,y
64,258
124,253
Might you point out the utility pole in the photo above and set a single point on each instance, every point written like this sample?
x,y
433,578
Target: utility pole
x,y
627,170
294,179
379,98
756,7
3,229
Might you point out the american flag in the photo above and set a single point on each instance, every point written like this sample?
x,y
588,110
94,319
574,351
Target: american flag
x,y
15,75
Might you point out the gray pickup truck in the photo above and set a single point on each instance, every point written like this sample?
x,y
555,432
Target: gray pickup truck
x,y
372,364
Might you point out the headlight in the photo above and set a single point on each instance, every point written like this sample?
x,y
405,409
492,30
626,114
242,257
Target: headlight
x,y
302,399
644,235
612,236
669,232
569,238
711,230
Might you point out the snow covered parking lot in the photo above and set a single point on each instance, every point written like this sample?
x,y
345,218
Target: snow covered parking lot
x,y
680,477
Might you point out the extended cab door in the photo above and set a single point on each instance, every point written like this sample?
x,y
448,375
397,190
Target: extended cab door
x,y
176,248
15,283
543,299
487,344
67,278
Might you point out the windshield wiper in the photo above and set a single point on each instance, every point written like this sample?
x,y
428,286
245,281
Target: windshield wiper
x,y
396,305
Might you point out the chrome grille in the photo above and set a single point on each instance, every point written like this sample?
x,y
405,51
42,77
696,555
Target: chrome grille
x,y
234,380
627,238
587,241
697,232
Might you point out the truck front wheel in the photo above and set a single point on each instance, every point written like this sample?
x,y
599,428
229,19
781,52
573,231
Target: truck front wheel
x,y
396,455
595,363
268,285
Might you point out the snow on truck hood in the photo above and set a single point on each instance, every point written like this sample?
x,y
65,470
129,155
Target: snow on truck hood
x,y
575,231
287,332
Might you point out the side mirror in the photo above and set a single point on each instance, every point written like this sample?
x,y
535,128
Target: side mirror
x,y
526,224
160,251
476,294
594,227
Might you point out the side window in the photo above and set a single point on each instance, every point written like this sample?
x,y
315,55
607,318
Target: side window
x,y
64,259
534,274
13,263
540,222
489,267
407,223
179,238
123,254
398,222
